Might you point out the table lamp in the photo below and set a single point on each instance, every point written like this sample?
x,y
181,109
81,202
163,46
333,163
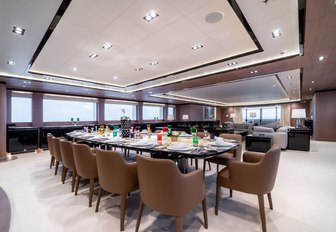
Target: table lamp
x,y
253,115
232,116
298,114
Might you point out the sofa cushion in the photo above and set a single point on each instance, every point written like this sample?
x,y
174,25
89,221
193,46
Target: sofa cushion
x,y
263,129
283,129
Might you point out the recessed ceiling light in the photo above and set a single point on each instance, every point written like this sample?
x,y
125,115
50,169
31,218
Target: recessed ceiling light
x,y
276,33
150,92
313,82
232,63
107,45
115,77
18,30
138,69
24,86
74,69
150,16
274,85
321,58
10,62
289,77
93,55
154,63
310,89
255,71
198,46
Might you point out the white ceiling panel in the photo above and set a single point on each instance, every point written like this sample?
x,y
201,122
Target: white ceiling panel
x,y
136,42
270,88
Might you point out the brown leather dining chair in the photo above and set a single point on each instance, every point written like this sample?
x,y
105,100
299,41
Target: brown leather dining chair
x,y
165,189
116,176
255,175
86,166
68,161
51,151
57,153
226,157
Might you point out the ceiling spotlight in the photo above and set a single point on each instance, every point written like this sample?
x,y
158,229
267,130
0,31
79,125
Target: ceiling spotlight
x,y
138,69
150,16
10,62
74,69
18,30
289,77
107,45
232,63
274,85
310,89
115,77
93,55
154,63
255,71
313,82
321,58
198,46
276,33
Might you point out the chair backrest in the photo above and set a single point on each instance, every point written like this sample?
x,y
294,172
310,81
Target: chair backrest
x,y
49,140
237,152
269,167
56,148
163,189
67,154
115,175
257,178
85,161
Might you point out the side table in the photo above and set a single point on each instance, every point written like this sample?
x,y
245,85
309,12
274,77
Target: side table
x,y
258,143
299,139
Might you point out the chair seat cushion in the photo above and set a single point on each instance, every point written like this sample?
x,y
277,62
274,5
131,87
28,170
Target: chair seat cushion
x,y
222,159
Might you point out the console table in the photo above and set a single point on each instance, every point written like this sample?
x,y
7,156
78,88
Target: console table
x,y
258,143
299,139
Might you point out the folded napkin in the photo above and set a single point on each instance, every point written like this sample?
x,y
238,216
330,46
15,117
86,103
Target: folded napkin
x,y
220,143
143,142
86,136
114,139
185,134
180,146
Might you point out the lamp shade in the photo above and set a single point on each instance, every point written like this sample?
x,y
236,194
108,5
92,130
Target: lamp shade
x,y
170,117
298,113
185,116
253,114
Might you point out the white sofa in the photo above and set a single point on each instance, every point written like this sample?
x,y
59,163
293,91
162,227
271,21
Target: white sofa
x,y
279,136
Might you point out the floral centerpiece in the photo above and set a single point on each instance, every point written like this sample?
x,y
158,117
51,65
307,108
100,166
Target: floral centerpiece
x,y
174,135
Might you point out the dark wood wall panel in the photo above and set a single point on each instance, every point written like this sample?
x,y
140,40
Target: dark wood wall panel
x,y
324,115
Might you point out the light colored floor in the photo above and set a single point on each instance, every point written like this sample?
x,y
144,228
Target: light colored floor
x,y
304,199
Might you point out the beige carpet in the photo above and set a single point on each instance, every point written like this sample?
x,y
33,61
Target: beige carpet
x,y
5,211
304,199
